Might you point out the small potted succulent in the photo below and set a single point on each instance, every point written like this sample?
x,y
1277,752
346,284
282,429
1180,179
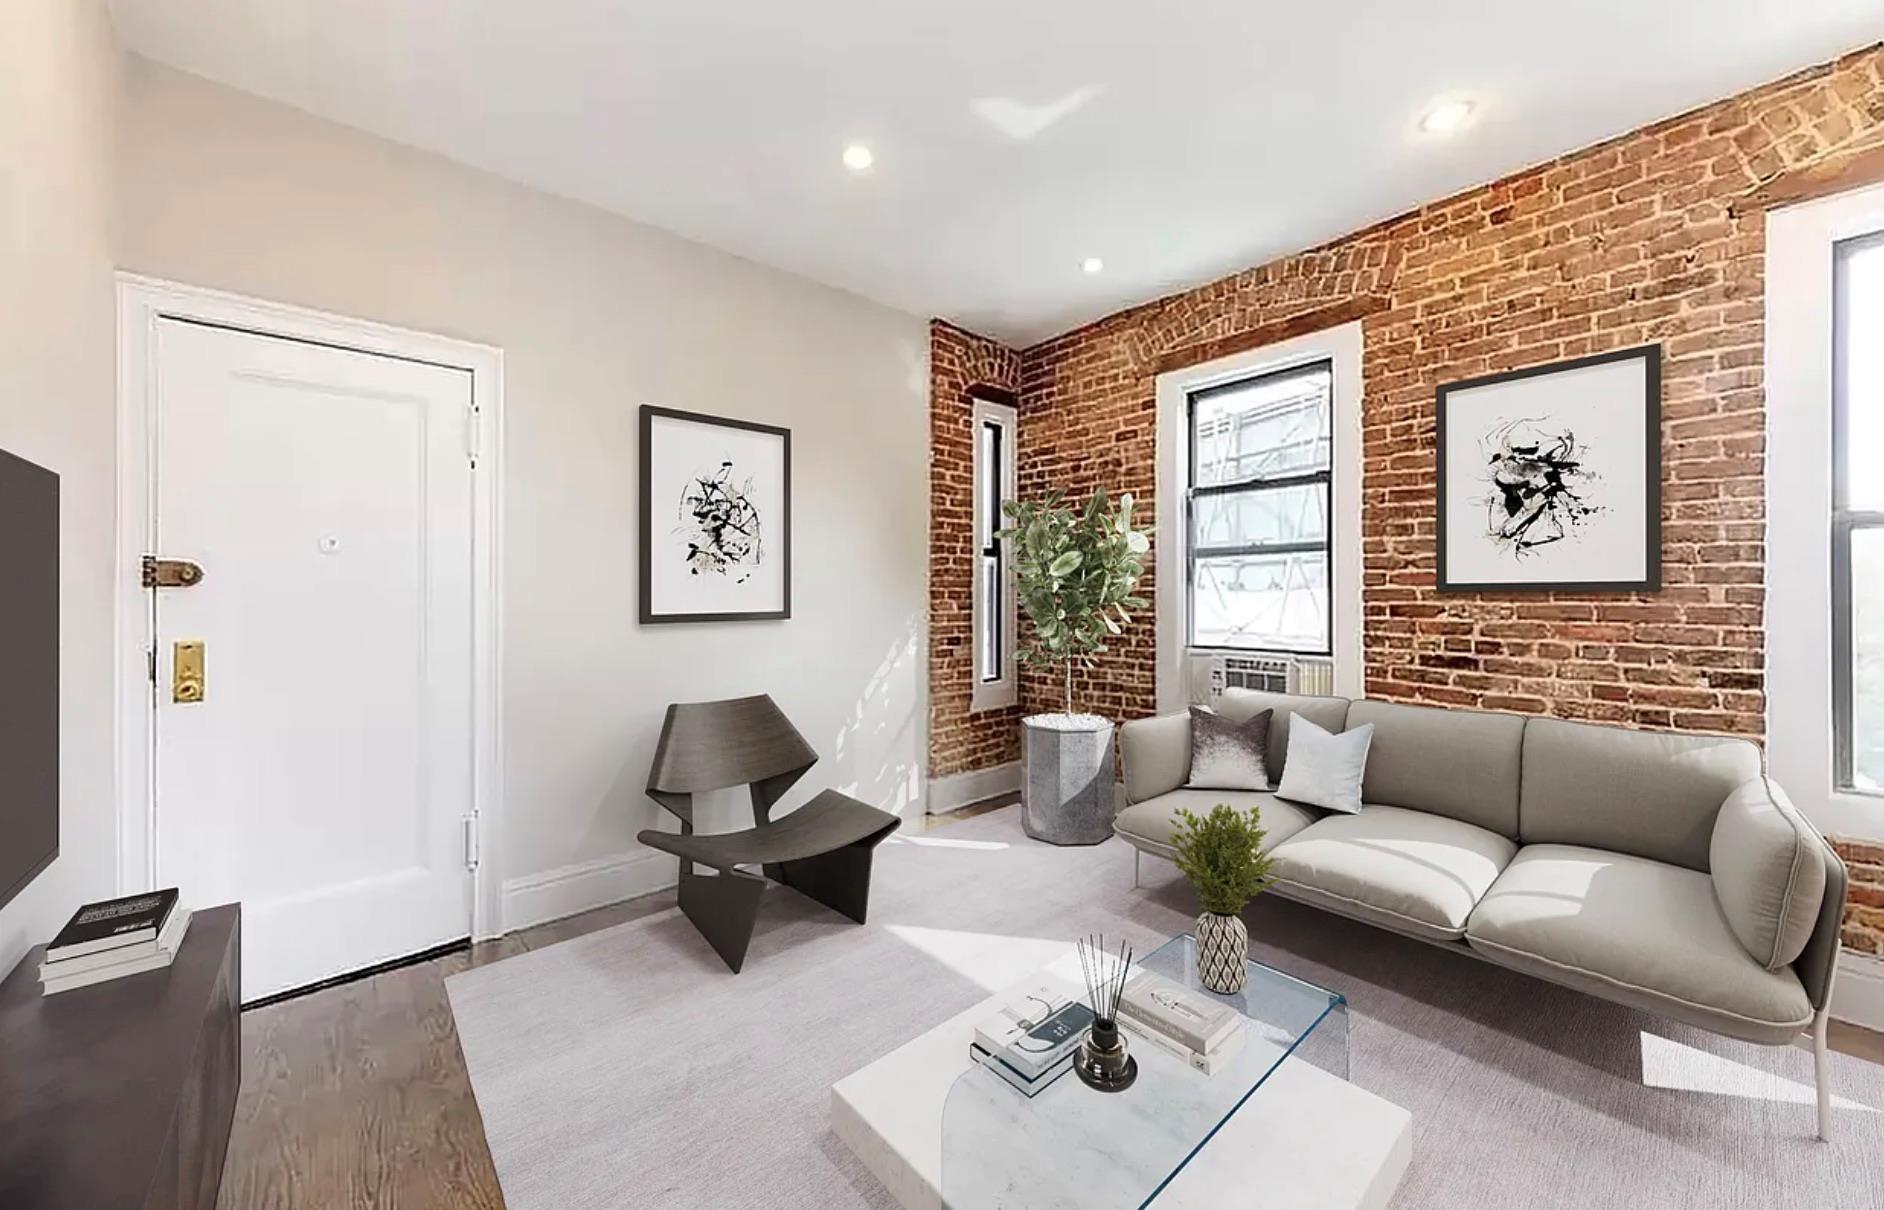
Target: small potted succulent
x,y
1221,853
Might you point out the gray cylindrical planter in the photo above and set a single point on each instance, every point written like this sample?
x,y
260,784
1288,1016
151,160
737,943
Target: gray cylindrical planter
x,y
1066,778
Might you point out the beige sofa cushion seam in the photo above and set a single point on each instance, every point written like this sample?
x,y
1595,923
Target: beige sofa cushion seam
x,y
1142,842
1362,903
1792,876
1647,991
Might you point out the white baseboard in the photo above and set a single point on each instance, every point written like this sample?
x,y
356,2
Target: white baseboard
x,y
553,894
1858,992
976,785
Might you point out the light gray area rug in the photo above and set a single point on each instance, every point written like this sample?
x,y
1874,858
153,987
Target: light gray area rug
x,y
628,1068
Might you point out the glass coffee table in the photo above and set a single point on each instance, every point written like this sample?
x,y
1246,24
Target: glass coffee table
x,y
1071,1146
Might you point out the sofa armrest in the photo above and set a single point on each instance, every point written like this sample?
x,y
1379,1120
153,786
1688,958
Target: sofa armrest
x,y
1819,960
1767,863
1155,755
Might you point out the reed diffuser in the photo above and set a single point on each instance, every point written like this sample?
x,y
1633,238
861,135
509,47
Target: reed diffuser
x,y
1102,1061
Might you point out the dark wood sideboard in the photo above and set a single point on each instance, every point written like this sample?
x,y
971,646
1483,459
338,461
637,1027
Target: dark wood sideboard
x,y
120,1096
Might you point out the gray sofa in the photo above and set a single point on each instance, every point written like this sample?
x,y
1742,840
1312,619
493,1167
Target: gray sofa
x,y
1663,871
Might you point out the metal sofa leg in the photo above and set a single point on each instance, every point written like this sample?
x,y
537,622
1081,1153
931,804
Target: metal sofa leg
x,y
1821,1054
1822,1070
1137,856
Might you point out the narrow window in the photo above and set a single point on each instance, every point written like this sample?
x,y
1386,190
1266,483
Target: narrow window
x,y
993,591
1259,543
1858,513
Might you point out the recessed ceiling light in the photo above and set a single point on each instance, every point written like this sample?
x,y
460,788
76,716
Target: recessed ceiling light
x,y
857,158
1091,264
1447,117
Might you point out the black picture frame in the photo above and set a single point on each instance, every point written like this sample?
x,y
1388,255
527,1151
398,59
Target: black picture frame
x,y
1651,357
649,617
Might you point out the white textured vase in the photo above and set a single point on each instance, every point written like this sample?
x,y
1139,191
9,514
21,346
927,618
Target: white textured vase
x,y
1222,952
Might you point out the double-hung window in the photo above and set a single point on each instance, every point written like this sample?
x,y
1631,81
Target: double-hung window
x,y
1858,513
1257,510
993,611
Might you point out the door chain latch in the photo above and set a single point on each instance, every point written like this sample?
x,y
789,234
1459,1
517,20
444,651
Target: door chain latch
x,y
170,573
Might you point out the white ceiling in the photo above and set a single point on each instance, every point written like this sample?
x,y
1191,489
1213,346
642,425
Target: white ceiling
x,y
1013,138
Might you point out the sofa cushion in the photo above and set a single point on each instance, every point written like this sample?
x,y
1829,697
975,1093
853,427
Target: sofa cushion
x,y
1147,825
1226,754
1768,871
1460,763
1643,932
1329,713
1406,870
1325,768
1648,793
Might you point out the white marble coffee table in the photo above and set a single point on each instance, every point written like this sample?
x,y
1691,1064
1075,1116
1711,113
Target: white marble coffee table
x,y
1277,1125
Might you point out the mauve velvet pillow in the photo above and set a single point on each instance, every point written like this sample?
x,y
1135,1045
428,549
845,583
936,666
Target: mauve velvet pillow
x,y
1228,755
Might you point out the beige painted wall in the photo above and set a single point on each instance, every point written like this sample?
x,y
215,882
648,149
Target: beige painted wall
x,y
58,93
595,315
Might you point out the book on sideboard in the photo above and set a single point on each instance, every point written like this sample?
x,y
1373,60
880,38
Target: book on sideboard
x,y
112,923
114,939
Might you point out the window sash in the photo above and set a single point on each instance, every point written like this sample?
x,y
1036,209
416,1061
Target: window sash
x,y
1194,491
993,559
1845,521
993,606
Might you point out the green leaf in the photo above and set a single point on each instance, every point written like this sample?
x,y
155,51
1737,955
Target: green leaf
x,y
1075,565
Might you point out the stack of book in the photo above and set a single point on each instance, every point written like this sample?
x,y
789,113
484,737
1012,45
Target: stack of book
x,y
1031,1041
1199,1029
115,938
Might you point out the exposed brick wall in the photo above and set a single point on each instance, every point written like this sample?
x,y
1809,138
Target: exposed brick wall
x,y
1654,236
958,740
1644,238
1864,918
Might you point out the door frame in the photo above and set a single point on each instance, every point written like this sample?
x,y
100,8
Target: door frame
x,y
142,303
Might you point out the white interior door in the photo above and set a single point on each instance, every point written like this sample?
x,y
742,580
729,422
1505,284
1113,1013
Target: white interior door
x,y
324,779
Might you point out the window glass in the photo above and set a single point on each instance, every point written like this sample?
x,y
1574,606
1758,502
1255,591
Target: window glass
x,y
1867,659
1266,602
1264,428
1863,355
1258,512
1261,517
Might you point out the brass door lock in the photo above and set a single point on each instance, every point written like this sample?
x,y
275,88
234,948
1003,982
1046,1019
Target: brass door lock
x,y
186,671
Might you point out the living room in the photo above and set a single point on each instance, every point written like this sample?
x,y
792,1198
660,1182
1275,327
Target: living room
x,y
734,606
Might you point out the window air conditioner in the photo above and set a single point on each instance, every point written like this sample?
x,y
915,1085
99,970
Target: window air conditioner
x,y
1211,672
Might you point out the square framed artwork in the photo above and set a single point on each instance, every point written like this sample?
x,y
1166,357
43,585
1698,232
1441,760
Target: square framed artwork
x,y
1549,478
716,518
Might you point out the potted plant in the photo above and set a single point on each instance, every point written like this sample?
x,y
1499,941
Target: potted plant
x,y
1075,569
1222,854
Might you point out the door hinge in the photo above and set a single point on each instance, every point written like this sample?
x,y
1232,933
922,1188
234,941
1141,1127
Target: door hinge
x,y
150,664
473,434
471,842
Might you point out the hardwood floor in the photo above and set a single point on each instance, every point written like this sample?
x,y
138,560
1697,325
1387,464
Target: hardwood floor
x,y
356,1097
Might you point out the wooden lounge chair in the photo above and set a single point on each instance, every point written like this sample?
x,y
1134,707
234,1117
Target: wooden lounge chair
x,y
821,850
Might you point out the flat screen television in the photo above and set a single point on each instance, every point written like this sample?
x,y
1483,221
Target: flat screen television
x,y
29,692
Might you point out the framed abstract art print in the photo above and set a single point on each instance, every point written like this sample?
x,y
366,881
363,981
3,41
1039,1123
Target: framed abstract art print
x,y
1549,478
716,518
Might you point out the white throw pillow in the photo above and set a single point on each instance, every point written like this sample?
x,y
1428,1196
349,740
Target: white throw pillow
x,y
1324,769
